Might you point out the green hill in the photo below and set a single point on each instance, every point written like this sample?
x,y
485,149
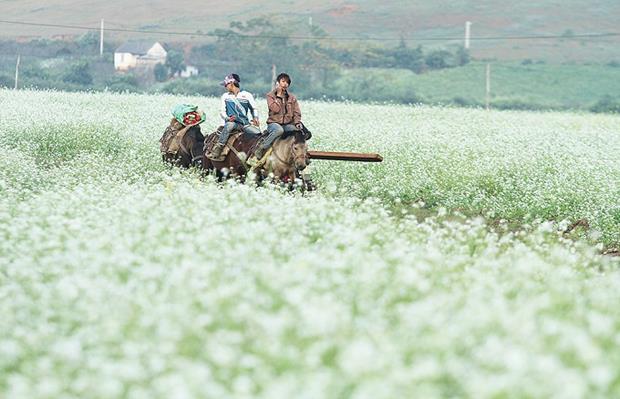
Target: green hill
x,y
533,86
367,19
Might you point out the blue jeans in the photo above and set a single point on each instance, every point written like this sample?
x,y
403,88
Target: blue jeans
x,y
276,130
230,126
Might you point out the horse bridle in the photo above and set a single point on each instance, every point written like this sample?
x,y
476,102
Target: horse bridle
x,y
293,154
182,133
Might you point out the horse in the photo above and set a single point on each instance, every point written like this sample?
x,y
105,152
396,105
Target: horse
x,y
182,145
289,157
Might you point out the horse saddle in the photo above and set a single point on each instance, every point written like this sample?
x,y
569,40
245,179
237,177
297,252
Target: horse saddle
x,y
214,138
170,141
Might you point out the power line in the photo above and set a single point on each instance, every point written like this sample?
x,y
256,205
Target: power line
x,y
52,56
294,37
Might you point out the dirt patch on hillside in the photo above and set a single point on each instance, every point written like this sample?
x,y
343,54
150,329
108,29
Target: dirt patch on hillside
x,y
457,22
344,10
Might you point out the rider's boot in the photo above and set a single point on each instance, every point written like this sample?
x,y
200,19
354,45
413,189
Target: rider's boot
x,y
216,151
257,156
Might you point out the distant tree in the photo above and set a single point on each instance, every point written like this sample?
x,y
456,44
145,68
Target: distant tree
x,y
89,41
438,59
121,83
607,104
408,58
161,73
175,62
63,52
568,33
253,59
462,56
78,73
6,81
34,70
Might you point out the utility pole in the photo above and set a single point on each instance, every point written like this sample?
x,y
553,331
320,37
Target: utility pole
x,y
101,40
488,92
17,71
273,76
467,34
310,20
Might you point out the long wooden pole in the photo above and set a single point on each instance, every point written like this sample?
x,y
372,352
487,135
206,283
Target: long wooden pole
x,y
345,156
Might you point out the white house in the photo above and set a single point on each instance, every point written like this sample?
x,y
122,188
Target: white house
x,y
136,54
189,71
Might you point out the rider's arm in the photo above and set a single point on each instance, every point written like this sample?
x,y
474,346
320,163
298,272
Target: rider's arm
x,y
273,104
223,114
253,108
296,112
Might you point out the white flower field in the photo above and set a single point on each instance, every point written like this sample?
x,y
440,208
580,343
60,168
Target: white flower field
x,y
441,272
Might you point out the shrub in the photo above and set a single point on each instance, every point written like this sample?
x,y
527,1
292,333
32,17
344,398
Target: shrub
x,y
121,83
7,81
606,104
161,73
79,73
438,59
464,102
517,105
202,87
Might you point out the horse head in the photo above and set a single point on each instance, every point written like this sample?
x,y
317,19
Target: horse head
x,y
299,151
188,142
289,156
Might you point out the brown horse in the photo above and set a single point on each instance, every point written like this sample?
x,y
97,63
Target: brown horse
x,y
288,158
182,146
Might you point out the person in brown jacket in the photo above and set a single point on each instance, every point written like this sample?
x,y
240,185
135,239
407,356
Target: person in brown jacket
x,y
284,113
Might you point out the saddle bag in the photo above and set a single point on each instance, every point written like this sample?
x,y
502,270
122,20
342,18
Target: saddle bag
x,y
168,143
214,137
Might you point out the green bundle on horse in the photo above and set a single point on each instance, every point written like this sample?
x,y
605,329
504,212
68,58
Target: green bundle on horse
x,y
182,141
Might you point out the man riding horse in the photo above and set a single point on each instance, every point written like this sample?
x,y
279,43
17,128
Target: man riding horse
x,y
284,115
236,107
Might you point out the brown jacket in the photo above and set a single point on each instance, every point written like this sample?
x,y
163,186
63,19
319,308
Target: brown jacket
x,y
283,110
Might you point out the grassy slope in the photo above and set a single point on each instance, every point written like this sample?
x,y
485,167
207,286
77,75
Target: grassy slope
x,y
565,86
369,18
